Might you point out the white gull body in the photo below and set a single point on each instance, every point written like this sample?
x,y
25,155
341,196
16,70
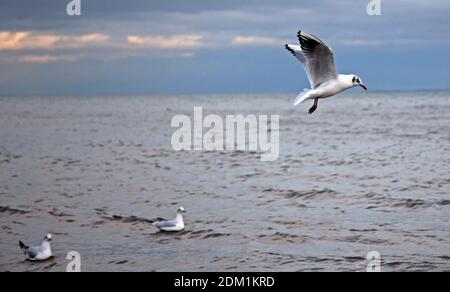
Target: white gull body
x,y
174,225
318,61
38,253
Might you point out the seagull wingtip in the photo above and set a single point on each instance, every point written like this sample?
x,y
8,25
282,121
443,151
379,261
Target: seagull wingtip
x,y
299,36
289,48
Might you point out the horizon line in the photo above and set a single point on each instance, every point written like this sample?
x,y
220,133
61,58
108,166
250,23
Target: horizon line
x,y
207,93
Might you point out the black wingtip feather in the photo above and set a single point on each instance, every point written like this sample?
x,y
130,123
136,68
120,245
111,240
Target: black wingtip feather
x,y
22,245
289,49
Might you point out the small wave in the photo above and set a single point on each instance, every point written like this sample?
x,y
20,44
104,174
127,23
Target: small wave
x,y
289,194
127,219
443,203
354,259
392,202
217,234
411,203
118,262
281,237
56,213
206,233
12,211
134,220
363,240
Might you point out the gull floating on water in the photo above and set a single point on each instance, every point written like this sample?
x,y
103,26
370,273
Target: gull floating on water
x,y
318,60
176,224
38,253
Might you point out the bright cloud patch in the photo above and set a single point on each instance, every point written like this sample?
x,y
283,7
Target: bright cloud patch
x,y
46,59
255,41
166,42
17,41
362,43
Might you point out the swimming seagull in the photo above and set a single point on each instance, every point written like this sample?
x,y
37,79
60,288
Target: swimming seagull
x,y
38,253
318,60
176,224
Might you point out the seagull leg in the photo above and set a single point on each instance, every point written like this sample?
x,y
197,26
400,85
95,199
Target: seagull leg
x,y
314,107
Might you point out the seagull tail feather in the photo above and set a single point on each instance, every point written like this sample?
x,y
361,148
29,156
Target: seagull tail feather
x,y
22,245
302,96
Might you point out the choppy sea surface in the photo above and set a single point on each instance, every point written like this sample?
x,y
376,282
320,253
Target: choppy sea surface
x,y
366,172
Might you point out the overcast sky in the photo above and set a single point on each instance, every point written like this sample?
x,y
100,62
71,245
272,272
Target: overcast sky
x,y
207,46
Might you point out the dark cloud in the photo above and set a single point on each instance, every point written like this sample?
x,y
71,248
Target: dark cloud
x,y
402,19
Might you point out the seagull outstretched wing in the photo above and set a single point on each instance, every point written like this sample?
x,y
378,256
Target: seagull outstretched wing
x,y
317,58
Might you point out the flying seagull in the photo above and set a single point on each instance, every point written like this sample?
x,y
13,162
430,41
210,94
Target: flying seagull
x,y
318,60
38,253
176,224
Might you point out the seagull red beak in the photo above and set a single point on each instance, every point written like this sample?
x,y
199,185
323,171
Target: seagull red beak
x,y
363,86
